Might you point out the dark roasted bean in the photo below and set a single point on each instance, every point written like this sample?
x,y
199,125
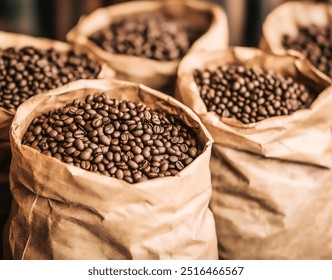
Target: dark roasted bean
x,y
119,174
104,140
315,42
85,155
250,94
158,146
78,144
153,35
132,164
26,73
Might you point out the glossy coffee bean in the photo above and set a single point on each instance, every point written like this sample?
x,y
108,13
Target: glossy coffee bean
x,y
250,94
128,148
28,71
152,35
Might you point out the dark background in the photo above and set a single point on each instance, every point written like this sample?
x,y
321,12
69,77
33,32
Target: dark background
x,y
54,18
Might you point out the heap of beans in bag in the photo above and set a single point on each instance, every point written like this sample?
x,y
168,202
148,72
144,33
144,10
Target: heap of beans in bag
x,y
121,139
315,42
249,94
154,35
28,71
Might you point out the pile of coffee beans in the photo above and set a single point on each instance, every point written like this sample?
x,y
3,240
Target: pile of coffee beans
x,y
151,35
28,71
121,139
249,94
315,42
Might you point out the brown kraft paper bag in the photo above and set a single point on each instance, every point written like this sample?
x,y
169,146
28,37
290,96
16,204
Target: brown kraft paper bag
x,y
6,116
272,180
64,212
285,19
160,75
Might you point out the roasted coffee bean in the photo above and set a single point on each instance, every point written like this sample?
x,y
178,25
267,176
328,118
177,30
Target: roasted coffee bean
x,y
85,155
28,71
173,159
315,42
79,145
119,174
70,150
104,140
138,158
85,164
153,35
132,164
250,94
179,165
146,151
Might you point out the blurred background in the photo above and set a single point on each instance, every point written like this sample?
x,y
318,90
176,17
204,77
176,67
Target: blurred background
x,y
54,18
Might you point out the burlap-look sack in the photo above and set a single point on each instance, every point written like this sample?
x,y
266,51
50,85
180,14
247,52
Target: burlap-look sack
x,y
285,19
6,116
272,180
64,212
156,74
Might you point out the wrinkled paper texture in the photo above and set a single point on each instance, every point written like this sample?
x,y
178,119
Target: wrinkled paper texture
x,y
272,180
160,75
6,116
285,20
64,212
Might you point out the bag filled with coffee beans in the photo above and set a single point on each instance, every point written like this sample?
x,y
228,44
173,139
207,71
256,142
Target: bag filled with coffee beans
x,y
301,29
29,66
110,170
272,158
145,40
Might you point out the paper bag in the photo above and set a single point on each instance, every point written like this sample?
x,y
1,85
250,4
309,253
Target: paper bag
x,y
272,180
157,74
285,20
6,116
64,212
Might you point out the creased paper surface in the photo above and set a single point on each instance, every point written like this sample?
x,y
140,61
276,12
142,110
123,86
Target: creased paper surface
x,y
272,180
160,75
6,116
64,212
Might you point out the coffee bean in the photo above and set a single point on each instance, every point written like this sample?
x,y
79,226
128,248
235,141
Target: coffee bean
x,y
70,150
109,129
138,158
132,164
105,140
98,158
119,174
85,155
158,143
250,94
315,42
28,71
179,165
79,134
138,132
96,122
153,35
157,158
262,111
37,130
136,150
160,148
173,159
152,175
183,148
78,144
192,152
86,165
